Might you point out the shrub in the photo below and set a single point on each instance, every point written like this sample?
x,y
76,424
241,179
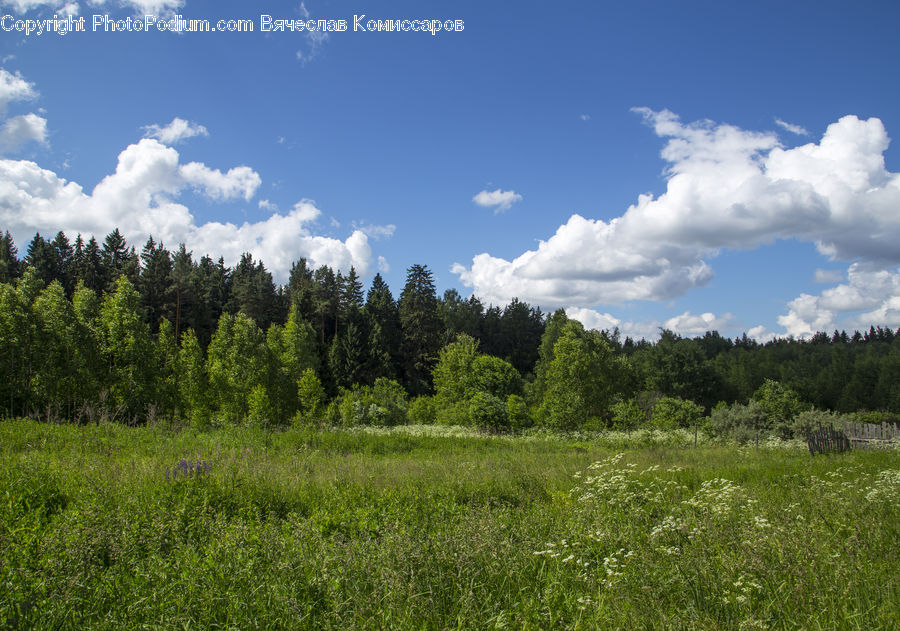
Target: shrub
x,y
517,412
421,411
382,404
675,413
311,396
806,422
488,412
627,415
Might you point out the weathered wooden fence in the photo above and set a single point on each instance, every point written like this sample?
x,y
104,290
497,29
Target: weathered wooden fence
x,y
827,440
869,435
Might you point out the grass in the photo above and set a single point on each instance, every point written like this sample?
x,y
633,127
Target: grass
x,y
436,528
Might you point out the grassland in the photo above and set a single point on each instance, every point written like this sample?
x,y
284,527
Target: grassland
x,y
104,527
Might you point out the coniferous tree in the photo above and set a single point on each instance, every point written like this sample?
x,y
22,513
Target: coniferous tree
x,y
420,328
9,262
64,258
41,258
156,283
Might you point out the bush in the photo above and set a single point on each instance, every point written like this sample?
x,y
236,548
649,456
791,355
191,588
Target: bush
x,y
739,422
383,404
806,422
259,408
627,415
675,413
311,396
488,412
421,411
517,412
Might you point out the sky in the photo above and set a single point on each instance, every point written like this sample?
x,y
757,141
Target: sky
x,y
692,166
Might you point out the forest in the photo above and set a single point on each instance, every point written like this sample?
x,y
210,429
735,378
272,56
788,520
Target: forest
x,y
93,331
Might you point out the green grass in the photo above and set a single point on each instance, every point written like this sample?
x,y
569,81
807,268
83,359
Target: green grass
x,y
435,528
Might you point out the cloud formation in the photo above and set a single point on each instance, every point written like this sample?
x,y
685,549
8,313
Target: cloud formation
x,y
687,324
498,200
14,88
140,199
20,130
175,132
794,129
726,188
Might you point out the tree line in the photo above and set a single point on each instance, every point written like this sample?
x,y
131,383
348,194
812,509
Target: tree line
x,y
90,330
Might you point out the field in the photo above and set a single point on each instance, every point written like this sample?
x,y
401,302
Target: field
x,y
433,528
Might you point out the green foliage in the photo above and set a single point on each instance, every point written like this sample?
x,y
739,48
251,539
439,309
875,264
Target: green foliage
x,y
739,422
488,412
127,351
780,405
517,412
238,361
260,412
420,328
628,415
193,381
382,404
422,411
494,376
582,379
311,396
675,413
422,528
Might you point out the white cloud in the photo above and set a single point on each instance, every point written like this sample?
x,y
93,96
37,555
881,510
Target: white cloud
x,y
265,204
14,88
23,6
761,334
794,129
176,131
828,276
691,325
139,199
20,130
585,117
498,200
240,181
145,7
726,188
870,297
375,231
315,39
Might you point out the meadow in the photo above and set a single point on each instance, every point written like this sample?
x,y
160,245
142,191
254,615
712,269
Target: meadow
x,y
110,527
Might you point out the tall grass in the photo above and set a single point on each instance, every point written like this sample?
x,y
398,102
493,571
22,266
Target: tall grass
x,y
424,529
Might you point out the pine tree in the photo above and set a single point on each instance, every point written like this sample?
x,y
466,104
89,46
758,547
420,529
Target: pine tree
x,y
156,284
9,263
420,328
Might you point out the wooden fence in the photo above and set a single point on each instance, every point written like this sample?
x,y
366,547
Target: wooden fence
x,y
827,440
869,435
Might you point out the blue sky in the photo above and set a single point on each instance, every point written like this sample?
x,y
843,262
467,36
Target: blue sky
x,y
696,165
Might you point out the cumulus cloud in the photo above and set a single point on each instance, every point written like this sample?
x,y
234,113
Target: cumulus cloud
x,y
726,188
870,297
19,130
690,325
498,200
828,276
794,129
240,181
14,88
176,131
687,324
140,198
265,204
